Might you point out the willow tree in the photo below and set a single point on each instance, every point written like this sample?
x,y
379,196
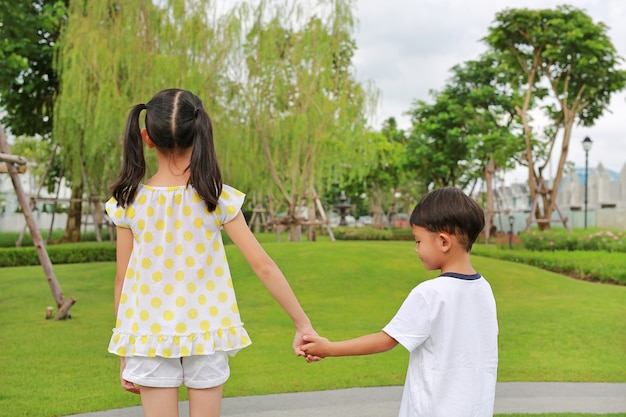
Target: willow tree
x,y
562,62
114,54
304,110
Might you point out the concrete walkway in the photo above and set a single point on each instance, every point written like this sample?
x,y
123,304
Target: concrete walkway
x,y
511,397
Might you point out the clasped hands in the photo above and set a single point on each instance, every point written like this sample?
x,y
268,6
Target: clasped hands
x,y
313,348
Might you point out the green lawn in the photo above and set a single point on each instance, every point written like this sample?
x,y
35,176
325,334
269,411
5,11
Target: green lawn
x,y
552,328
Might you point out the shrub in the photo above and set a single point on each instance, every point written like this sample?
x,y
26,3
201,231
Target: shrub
x,y
577,240
59,254
588,265
362,233
372,233
8,239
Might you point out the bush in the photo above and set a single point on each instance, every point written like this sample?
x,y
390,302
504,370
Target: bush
x,y
70,253
372,233
362,233
8,239
588,265
577,240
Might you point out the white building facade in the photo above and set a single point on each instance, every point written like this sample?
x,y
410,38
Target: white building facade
x,y
605,207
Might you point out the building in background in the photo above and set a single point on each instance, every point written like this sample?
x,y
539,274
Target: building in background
x,y
606,200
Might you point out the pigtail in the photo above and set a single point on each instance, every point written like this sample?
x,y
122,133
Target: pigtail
x,y
133,161
204,170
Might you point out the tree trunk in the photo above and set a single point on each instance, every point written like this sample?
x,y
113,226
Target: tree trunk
x,y
44,259
74,215
489,172
376,201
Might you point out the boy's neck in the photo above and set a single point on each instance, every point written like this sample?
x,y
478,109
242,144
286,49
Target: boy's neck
x,y
459,262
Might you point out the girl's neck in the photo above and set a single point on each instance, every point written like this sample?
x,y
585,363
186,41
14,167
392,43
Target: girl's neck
x,y
172,168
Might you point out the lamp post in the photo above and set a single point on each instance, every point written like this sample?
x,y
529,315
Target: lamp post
x,y
586,146
511,222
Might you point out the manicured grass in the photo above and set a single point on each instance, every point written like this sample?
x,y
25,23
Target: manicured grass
x,y
552,328
563,415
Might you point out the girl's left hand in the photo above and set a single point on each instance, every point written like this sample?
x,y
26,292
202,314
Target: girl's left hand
x,y
299,341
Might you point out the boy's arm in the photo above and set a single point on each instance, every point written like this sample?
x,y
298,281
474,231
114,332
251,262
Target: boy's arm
x,y
363,345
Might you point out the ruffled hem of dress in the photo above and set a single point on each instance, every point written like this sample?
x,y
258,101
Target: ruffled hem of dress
x,y
230,340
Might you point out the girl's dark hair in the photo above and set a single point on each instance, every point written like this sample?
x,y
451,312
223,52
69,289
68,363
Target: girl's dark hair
x,y
175,119
450,210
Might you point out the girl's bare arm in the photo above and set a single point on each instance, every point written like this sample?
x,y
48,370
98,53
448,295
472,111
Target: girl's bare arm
x,y
271,276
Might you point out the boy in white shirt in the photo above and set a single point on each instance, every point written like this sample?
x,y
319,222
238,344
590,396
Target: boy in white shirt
x,y
448,324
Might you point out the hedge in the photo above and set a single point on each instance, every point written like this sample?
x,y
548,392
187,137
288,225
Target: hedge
x,y
59,254
606,267
603,266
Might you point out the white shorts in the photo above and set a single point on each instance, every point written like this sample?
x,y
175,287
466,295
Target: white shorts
x,y
198,372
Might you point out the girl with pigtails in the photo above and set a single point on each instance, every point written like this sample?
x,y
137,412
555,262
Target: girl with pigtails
x,y
177,319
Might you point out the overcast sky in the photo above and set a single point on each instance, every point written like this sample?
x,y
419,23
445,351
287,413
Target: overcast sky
x,y
407,47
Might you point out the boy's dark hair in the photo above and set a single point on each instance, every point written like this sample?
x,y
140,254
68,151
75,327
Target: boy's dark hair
x,y
176,120
450,210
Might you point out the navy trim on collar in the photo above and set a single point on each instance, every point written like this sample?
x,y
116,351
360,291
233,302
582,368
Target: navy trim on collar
x,y
461,276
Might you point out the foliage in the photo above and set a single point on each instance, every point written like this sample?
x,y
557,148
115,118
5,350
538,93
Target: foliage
x,y
437,149
470,124
582,264
371,233
594,256
8,239
42,155
362,233
28,82
578,240
562,62
552,328
115,55
276,77
302,110
69,253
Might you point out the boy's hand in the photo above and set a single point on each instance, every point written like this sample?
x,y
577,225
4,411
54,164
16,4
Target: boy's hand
x,y
299,340
316,346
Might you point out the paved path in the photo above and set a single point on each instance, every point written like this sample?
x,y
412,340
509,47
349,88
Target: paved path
x,y
511,397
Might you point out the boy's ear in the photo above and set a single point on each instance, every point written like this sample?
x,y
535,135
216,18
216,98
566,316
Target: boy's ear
x,y
146,138
445,241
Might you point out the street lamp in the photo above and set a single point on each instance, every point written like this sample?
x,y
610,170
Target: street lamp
x,y
586,146
511,222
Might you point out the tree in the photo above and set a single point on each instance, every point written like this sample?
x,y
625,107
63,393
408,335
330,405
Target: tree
x,y
303,111
115,54
277,80
29,30
558,60
470,131
492,129
437,149
386,173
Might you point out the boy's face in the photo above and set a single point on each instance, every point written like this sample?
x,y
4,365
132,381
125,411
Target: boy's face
x,y
428,247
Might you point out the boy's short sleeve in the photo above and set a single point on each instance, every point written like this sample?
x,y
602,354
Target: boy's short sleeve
x,y
116,213
229,204
412,323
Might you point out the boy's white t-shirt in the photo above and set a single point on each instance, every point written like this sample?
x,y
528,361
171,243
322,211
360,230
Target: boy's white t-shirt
x,y
449,326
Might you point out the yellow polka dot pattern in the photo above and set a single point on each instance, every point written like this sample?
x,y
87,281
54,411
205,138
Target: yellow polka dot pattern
x,y
177,299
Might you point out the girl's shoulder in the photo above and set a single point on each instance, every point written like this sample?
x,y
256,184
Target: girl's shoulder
x,y
229,192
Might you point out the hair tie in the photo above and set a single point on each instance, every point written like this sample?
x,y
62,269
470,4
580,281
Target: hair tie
x,y
195,112
143,106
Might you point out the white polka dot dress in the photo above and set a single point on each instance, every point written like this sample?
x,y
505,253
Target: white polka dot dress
x,y
178,297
